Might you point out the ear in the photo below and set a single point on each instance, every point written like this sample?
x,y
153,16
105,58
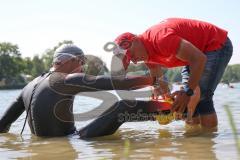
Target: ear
x,y
138,44
57,63
135,44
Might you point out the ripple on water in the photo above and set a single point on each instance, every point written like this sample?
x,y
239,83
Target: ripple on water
x,y
143,140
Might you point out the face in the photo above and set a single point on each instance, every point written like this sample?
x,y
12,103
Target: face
x,y
132,50
77,65
137,52
72,65
134,56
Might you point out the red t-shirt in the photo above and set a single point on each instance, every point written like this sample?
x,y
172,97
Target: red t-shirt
x,y
162,40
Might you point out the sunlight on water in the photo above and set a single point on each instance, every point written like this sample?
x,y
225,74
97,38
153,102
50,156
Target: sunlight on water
x,y
134,140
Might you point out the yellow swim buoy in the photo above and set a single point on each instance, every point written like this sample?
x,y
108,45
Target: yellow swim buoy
x,y
164,119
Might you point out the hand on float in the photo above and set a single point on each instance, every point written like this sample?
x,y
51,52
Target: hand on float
x,y
164,94
180,103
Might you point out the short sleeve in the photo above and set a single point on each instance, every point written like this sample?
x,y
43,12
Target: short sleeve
x,y
167,42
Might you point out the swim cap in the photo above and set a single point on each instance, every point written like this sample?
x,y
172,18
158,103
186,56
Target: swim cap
x,y
67,51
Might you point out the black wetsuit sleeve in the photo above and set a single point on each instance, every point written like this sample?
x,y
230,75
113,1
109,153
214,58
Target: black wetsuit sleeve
x,y
95,83
116,115
11,114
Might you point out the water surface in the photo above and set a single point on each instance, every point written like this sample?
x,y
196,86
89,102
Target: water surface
x,y
134,140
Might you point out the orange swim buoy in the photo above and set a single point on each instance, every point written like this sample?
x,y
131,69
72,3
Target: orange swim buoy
x,y
163,104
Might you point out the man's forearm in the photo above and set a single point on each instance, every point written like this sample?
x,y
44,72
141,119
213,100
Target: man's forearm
x,y
196,70
132,82
12,113
121,83
87,83
157,73
196,59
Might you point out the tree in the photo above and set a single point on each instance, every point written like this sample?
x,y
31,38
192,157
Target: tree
x,y
95,66
9,49
11,62
28,66
38,66
174,75
232,74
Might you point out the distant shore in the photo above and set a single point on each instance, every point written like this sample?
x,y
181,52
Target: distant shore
x,y
20,86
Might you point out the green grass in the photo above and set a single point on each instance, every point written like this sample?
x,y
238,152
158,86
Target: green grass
x,y
126,148
233,125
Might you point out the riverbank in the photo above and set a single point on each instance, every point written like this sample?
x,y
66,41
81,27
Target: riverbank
x,y
19,86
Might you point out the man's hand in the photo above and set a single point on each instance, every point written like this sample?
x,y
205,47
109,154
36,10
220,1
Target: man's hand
x,y
163,92
4,130
180,103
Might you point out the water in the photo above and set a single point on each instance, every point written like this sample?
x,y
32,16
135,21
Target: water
x,y
134,140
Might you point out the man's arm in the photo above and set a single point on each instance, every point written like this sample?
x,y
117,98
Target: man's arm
x,y
96,83
131,82
157,73
11,114
196,60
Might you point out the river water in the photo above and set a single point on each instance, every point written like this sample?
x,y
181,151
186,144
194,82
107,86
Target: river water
x,y
134,140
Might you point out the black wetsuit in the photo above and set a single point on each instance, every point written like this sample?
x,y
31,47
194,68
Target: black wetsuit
x,y
120,112
51,96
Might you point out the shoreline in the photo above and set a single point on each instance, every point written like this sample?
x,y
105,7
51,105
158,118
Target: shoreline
x,y
12,87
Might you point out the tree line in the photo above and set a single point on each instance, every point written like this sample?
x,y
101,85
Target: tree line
x,y
231,74
15,69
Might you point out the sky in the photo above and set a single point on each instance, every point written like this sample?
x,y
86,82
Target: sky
x,y
36,25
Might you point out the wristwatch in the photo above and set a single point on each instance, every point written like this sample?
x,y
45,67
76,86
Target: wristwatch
x,y
189,92
156,82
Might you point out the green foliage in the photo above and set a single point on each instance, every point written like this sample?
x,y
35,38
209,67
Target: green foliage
x,y
38,66
11,64
9,49
28,65
234,128
174,75
126,148
95,66
232,74
137,69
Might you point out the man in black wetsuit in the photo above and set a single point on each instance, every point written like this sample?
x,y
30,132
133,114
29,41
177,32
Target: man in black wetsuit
x,y
48,99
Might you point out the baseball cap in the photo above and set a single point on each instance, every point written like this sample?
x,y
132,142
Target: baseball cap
x,y
124,43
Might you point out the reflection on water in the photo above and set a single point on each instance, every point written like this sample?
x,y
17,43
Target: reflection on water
x,y
15,146
142,145
134,140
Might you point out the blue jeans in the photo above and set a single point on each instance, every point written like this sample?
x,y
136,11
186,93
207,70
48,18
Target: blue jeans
x,y
214,68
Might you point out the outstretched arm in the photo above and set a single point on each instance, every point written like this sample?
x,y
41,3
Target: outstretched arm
x,y
95,83
11,114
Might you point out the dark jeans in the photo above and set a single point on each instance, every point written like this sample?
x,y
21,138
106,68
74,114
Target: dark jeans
x,y
215,66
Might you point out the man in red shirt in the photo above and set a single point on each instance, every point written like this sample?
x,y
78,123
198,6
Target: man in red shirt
x,y
202,48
